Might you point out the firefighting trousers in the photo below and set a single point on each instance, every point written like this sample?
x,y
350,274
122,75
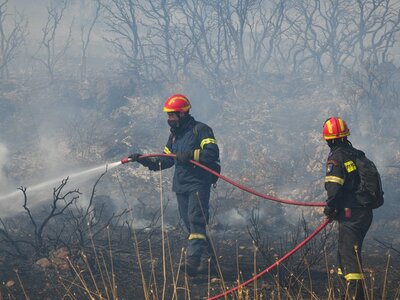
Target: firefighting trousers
x,y
194,211
353,227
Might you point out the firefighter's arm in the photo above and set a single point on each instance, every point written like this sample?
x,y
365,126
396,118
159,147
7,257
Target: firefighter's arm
x,y
208,151
334,180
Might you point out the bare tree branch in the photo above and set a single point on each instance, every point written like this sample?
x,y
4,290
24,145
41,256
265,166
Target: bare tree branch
x,y
11,41
53,53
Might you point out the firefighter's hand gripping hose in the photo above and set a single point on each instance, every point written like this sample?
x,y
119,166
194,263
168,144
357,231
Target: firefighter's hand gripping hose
x,y
244,188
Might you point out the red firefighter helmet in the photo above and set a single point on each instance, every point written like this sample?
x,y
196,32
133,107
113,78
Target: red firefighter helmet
x,y
177,103
335,128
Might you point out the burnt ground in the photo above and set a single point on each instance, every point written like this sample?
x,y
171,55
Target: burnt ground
x,y
304,274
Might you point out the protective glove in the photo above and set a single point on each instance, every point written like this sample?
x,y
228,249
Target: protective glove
x,y
184,156
331,212
135,157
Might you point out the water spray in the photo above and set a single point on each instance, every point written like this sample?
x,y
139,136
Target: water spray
x,y
77,175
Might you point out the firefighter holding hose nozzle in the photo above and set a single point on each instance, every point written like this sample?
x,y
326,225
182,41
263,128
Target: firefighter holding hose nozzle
x,y
353,188
189,140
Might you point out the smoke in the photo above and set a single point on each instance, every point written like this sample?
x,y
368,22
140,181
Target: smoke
x,y
232,218
274,117
4,184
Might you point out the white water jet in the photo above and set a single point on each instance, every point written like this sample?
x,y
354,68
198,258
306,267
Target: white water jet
x,y
83,175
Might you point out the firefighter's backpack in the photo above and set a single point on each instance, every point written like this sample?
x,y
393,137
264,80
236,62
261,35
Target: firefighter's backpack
x,y
369,193
216,167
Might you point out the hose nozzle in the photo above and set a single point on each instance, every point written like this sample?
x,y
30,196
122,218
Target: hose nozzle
x,y
125,160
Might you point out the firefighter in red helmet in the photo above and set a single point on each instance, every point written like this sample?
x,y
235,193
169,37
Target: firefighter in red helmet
x,y
354,219
189,140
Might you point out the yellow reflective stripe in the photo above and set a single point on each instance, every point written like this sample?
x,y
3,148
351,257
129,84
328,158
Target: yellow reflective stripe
x,y
166,150
329,125
207,141
196,155
197,236
330,136
350,166
334,179
335,136
185,108
354,276
339,271
341,124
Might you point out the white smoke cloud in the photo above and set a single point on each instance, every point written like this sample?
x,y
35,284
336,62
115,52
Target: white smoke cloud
x,y
3,160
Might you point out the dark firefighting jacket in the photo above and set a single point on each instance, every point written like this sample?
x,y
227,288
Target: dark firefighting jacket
x,y
342,179
198,138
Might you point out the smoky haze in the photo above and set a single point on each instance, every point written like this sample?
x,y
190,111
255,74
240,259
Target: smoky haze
x,y
83,83
86,84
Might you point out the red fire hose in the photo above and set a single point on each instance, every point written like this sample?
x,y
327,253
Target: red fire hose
x,y
271,267
244,188
240,186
